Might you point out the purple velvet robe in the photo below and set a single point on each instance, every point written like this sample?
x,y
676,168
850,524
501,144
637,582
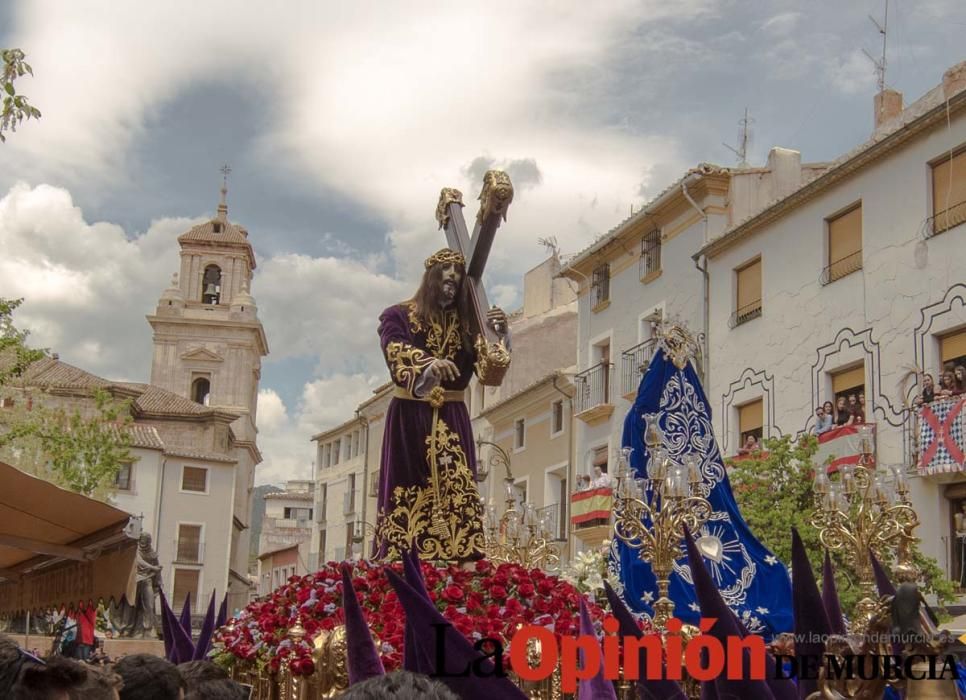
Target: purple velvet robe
x,y
428,498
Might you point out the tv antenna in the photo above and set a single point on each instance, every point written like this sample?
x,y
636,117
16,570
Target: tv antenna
x,y
744,138
550,243
880,63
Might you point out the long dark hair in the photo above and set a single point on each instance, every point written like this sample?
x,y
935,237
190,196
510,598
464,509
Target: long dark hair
x,y
427,301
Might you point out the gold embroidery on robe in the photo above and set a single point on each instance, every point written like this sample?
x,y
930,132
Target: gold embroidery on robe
x,y
443,338
444,518
406,363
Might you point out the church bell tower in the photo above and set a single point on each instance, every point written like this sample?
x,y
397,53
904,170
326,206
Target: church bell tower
x,y
208,341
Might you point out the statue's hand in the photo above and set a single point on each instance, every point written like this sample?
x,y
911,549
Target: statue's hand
x,y
446,370
496,318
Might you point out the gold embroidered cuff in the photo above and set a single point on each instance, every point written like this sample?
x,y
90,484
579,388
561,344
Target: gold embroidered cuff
x,y
406,363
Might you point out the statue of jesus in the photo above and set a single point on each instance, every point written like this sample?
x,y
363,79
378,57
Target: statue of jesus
x,y
428,499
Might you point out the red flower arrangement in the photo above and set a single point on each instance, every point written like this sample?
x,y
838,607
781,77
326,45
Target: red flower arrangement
x,y
490,601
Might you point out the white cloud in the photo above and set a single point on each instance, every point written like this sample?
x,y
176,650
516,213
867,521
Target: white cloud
x,y
782,23
853,74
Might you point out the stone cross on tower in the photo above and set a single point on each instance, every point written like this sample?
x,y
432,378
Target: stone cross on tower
x,y
495,198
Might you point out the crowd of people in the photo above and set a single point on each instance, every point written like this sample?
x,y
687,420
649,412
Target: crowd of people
x,y
848,409
26,676
600,480
952,382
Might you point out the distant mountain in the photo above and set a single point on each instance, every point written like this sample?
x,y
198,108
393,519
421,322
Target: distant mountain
x,y
258,514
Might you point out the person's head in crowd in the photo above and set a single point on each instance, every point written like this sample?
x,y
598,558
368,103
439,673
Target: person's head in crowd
x,y
101,684
829,409
597,471
948,380
928,384
840,405
53,680
585,480
959,374
862,399
401,685
148,677
853,402
750,442
194,673
217,689
11,661
820,412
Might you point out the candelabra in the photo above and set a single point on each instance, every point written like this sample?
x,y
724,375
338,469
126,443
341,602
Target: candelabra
x,y
519,535
862,511
651,513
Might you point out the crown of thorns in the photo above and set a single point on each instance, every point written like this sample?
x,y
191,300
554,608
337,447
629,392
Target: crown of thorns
x,y
445,256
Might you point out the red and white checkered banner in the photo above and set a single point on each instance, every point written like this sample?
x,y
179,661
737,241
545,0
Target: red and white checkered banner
x,y
841,445
942,436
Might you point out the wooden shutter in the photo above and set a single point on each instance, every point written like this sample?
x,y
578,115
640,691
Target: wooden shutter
x,y
749,287
189,543
600,457
844,236
948,190
751,416
194,479
953,346
185,581
848,379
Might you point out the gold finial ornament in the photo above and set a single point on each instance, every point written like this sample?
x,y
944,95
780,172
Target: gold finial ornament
x,y
445,256
447,196
496,195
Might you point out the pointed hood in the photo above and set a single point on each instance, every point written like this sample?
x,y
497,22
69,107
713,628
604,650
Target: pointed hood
x,y
182,648
597,687
362,658
712,606
412,570
811,622
830,598
185,618
660,689
203,646
222,613
458,651
882,582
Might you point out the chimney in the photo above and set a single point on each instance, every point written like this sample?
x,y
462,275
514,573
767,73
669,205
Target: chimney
x,y
888,106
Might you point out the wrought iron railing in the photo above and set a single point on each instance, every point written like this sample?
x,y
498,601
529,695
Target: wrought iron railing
x,y
650,260
745,313
555,523
946,219
633,365
593,387
842,267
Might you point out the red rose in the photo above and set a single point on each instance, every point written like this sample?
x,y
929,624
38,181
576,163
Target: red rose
x,y
453,594
545,586
498,592
526,590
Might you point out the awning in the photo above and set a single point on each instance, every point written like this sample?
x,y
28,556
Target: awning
x,y
59,548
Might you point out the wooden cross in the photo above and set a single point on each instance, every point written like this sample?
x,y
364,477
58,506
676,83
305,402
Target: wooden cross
x,y
495,198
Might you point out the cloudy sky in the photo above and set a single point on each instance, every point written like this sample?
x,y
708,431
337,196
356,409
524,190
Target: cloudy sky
x,y
342,121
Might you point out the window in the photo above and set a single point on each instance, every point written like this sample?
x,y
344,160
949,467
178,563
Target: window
x,y
322,556
650,262
297,514
953,348
6,402
347,448
122,482
336,450
350,535
600,458
373,484
189,543
185,582
844,245
519,434
211,285
748,300
848,381
349,504
751,420
556,418
323,496
326,454
194,479
600,286
201,390
948,192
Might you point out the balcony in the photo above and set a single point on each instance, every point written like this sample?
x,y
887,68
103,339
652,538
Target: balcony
x,y
555,524
841,268
946,219
938,431
634,363
349,502
188,551
590,513
592,399
744,314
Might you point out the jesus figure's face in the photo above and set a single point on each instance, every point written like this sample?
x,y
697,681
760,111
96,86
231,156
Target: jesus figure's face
x,y
450,277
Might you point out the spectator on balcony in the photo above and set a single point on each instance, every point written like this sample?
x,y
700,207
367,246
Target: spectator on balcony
x,y
823,420
959,375
842,415
583,482
602,479
751,445
856,409
928,391
947,385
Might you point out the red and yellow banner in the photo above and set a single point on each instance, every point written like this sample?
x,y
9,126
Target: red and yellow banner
x,y
593,504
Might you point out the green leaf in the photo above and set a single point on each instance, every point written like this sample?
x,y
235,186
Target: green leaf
x,y
9,88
